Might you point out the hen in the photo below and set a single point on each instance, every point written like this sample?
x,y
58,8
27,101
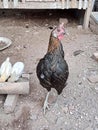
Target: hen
x,y
52,70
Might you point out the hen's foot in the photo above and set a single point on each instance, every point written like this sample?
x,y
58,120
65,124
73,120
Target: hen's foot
x,y
46,104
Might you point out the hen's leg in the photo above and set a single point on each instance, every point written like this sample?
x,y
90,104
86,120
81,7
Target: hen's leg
x,y
46,104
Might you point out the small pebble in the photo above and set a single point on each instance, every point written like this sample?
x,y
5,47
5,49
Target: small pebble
x,y
79,27
33,117
65,109
96,118
27,25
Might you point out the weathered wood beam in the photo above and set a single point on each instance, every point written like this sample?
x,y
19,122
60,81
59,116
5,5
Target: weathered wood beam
x,y
80,4
67,4
73,4
63,4
87,15
10,103
15,3
14,88
85,4
5,3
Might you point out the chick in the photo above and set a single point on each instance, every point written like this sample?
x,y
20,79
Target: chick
x,y
5,70
16,72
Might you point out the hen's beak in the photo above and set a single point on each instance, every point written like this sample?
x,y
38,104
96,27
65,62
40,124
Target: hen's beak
x,y
66,32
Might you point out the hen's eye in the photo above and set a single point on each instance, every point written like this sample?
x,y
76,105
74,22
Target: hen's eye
x,y
58,30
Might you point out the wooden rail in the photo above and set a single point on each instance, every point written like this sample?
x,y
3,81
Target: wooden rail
x,y
51,4
44,4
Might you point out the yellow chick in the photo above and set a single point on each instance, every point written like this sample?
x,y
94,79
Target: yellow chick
x,y
5,70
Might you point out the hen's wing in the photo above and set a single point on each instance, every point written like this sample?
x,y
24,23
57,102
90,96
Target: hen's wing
x,y
44,72
60,74
61,50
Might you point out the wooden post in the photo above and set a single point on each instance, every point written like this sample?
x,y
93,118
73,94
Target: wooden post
x,y
87,15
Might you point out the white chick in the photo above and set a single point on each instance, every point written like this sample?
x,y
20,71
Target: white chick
x,y
16,72
5,70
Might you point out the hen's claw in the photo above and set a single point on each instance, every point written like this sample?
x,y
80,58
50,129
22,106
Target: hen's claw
x,y
46,104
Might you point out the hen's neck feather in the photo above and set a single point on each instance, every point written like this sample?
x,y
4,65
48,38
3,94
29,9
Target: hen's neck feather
x,y
54,43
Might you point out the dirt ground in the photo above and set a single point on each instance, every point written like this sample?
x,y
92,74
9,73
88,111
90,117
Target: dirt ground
x,y
77,107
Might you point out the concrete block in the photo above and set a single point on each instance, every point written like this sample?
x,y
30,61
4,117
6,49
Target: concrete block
x,y
95,55
10,103
93,78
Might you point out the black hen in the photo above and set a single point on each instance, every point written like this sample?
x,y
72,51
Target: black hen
x,y
52,70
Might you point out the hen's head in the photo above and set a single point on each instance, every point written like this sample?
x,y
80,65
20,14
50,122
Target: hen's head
x,y
59,31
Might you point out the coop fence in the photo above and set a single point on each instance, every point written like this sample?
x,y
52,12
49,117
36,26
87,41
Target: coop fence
x,y
44,4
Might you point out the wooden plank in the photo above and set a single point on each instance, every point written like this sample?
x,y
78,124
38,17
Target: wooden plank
x,y
80,4
73,4
15,3
67,4
10,4
14,88
85,4
39,5
10,103
44,5
40,0
94,16
63,4
11,100
5,3
87,15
